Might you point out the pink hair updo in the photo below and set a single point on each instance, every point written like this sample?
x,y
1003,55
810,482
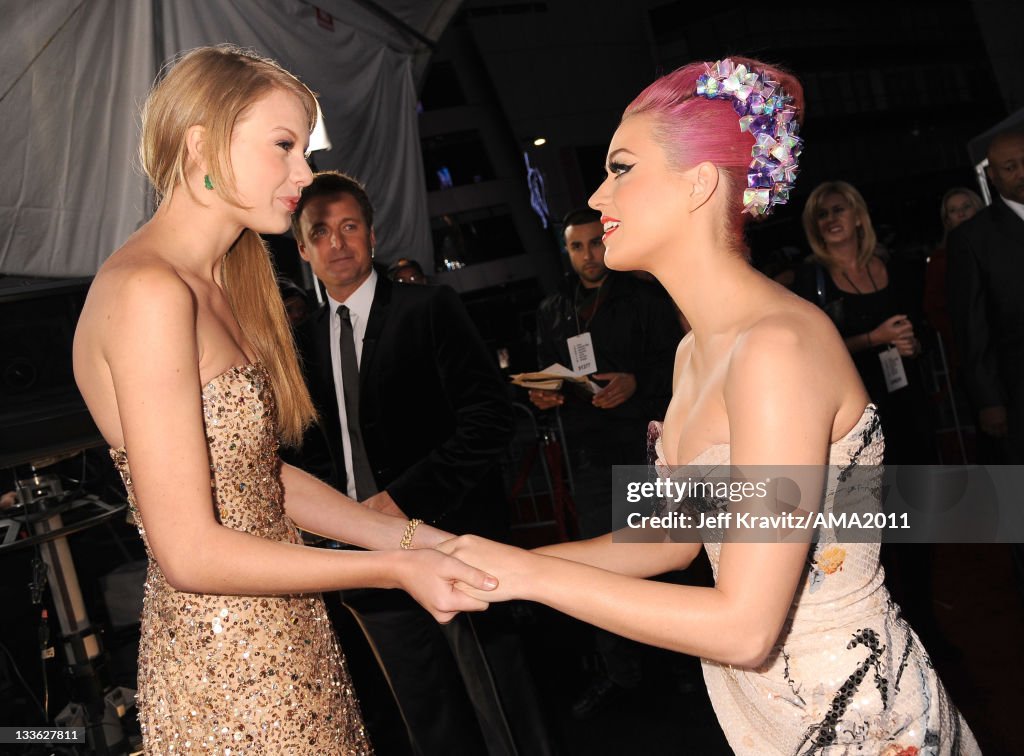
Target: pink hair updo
x,y
693,129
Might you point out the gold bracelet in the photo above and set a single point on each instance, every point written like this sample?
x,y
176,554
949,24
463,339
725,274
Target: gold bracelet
x,y
410,531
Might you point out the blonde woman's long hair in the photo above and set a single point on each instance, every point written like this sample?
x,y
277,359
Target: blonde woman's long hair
x,y
212,87
867,240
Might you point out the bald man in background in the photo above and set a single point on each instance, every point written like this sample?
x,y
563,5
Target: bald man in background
x,y
986,303
986,297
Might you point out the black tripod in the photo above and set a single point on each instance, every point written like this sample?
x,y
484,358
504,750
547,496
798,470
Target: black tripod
x,y
94,705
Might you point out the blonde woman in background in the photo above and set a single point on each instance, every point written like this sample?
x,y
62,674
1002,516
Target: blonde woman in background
x,y
875,310
876,307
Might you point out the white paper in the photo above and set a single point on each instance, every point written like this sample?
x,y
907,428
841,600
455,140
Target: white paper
x,y
581,352
892,368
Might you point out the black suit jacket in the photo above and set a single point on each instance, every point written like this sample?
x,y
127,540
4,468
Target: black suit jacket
x,y
986,302
434,408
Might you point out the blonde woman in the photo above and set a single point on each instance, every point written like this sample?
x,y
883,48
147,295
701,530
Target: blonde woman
x,y
184,356
875,310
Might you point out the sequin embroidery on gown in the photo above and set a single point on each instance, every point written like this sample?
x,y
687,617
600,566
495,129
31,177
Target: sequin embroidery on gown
x,y
847,675
233,675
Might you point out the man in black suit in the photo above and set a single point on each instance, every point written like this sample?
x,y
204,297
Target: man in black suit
x,y
986,304
986,300
413,419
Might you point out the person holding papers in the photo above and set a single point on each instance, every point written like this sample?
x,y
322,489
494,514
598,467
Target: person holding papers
x,y
620,332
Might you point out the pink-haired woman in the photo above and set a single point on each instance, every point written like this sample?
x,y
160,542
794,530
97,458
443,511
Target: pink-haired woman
x,y
802,649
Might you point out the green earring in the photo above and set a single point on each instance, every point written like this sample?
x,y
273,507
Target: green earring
x,y
207,183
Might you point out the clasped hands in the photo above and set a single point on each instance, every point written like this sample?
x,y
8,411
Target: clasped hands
x,y
481,553
511,566
449,574
464,574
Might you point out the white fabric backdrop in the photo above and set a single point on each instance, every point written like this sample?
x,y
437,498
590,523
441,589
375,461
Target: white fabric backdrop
x,y
72,192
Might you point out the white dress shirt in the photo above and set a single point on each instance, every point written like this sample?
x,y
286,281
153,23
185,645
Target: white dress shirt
x,y
1015,206
358,304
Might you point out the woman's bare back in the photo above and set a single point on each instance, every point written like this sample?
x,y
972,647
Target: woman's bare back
x,y
115,295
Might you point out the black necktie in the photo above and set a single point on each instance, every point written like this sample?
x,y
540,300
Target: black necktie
x,y
361,471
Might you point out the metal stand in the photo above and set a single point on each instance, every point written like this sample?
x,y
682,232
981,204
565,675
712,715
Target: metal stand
x,y
553,490
93,706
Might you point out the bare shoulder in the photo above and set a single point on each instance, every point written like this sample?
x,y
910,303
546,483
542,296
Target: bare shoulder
x,y
780,394
136,272
785,329
138,324
795,322
790,368
792,348
135,295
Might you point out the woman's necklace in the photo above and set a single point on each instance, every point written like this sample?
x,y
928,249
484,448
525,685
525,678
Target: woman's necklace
x,y
874,286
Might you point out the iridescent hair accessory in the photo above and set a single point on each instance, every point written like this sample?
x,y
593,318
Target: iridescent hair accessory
x,y
767,112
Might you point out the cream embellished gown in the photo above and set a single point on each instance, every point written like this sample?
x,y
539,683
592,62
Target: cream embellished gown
x,y
232,675
847,674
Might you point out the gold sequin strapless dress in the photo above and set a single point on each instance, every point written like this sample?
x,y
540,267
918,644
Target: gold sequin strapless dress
x,y
233,675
